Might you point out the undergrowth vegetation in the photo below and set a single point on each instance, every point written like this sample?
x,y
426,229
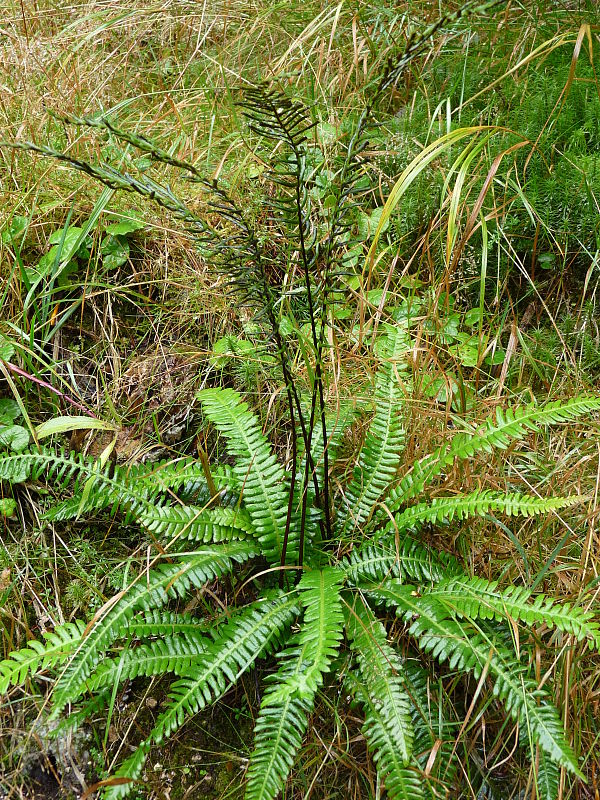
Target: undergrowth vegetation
x,y
324,348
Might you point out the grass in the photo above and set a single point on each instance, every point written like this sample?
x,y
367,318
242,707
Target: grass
x,y
495,324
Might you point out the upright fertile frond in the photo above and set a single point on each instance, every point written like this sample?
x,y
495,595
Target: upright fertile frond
x,y
57,646
402,557
481,501
466,648
249,635
380,454
510,425
477,598
380,672
274,116
262,477
150,590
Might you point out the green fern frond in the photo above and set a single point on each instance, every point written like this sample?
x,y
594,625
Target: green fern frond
x,y
401,558
380,669
466,648
57,646
547,777
159,622
401,781
279,731
251,634
283,717
477,598
510,425
481,501
380,454
262,477
150,590
60,468
220,524
431,728
170,654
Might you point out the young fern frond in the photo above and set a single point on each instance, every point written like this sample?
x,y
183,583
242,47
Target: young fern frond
x,y
150,590
258,471
510,425
251,634
379,458
466,648
462,506
37,656
477,598
380,670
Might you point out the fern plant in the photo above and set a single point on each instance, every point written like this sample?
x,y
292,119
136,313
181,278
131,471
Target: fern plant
x,y
329,563
330,616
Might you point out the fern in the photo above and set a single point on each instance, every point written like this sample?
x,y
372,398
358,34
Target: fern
x,y
57,646
406,558
476,598
466,649
379,458
169,654
151,590
510,425
251,634
257,469
380,669
331,542
480,502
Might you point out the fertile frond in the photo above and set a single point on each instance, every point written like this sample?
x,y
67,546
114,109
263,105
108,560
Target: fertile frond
x,y
477,598
400,558
274,116
466,648
380,454
477,503
249,635
380,669
510,425
170,654
57,646
257,469
151,590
